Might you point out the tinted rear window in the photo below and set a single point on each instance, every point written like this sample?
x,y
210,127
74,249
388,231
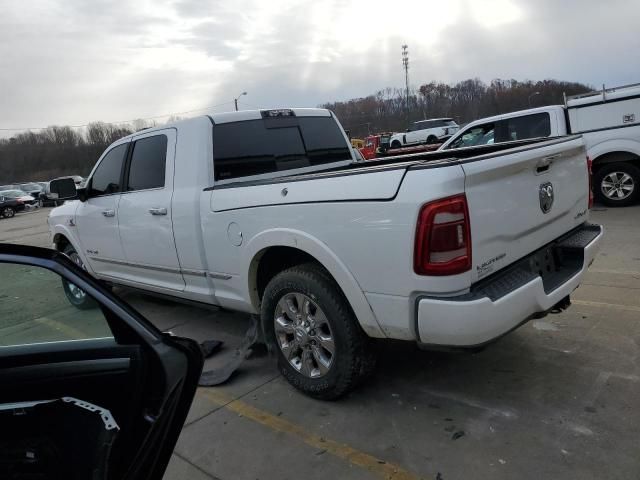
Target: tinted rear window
x,y
148,162
255,147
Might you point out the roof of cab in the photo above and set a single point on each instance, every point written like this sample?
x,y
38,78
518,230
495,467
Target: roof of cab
x,y
227,117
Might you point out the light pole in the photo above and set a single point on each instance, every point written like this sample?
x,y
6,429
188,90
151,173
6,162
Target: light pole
x,y
532,95
235,100
405,64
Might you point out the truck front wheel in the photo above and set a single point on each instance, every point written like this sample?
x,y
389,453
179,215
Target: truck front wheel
x,y
396,144
321,348
76,296
617,184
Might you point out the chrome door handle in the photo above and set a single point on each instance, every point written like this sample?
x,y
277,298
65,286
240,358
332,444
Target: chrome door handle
x,y
109,213
158,211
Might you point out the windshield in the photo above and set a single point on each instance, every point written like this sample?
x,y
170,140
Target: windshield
x,y
30,187
13,193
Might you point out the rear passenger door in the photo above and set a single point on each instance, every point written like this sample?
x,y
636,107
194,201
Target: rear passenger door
x,y
146,227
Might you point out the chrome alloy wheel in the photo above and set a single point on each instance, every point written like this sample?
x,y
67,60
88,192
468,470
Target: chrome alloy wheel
x,y
77,292
304,335
617,185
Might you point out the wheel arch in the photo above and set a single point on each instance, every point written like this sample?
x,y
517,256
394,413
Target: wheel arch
x,y
614,151
61,237
276,250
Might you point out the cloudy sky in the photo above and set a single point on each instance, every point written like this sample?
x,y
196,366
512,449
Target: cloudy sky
x,y
76,61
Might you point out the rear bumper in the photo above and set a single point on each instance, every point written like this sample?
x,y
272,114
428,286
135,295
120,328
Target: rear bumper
x,y
507,299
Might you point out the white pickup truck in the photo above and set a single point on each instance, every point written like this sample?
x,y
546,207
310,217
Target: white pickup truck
x,y
267,212
608,120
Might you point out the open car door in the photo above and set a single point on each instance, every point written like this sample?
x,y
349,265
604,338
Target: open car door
x,y
93,393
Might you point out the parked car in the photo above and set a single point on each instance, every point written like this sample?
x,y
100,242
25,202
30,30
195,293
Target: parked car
x,y
9,206
32,189
434,130
26,199
609,122
106,398
292,227
377,146
47,198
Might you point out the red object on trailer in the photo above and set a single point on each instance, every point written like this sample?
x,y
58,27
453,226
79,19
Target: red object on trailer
x,y
377,146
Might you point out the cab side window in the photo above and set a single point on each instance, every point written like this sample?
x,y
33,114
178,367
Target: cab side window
x,y
148,163
478,135
106,178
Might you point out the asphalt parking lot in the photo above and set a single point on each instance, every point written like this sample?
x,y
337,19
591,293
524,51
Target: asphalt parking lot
x,y
558,398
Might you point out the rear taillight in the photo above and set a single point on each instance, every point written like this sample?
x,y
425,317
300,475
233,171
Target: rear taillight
x,y
590,170
443,238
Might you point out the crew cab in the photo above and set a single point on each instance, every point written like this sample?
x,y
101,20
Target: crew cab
x,y
450,248
608,120
433,130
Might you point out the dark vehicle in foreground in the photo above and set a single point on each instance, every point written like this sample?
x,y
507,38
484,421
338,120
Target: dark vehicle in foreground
x,y
95,393
9,207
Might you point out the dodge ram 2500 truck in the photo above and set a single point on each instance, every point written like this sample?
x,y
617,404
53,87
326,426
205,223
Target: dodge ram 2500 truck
x,y
269,213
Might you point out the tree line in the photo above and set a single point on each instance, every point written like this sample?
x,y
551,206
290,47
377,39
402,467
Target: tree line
x,y
63,150
386,110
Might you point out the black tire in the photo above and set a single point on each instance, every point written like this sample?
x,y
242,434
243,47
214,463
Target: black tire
x,y
8,212
431,139
354,357
396,144
604,184
78,300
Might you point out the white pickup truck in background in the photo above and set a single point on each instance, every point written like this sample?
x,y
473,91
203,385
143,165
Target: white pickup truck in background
x,y
450,248
608,120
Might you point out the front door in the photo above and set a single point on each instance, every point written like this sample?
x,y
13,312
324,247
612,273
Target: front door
x,y
97,220
144,212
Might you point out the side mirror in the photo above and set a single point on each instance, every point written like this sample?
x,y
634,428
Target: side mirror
x,y
65,188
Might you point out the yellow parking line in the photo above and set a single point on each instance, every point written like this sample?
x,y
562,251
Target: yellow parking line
x,y
630,308
370,463
617,272
71,332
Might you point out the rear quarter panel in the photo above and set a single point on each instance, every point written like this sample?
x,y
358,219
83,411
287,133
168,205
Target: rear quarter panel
x,y
366,245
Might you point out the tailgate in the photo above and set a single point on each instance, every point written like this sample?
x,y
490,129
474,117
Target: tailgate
x,y
522,199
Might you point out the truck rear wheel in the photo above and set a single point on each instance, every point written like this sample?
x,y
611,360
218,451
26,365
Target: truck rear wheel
x,y
617,184
321,349
432,139
396,144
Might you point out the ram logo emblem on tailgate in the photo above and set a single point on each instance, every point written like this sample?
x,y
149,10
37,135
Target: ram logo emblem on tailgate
x,y
546,197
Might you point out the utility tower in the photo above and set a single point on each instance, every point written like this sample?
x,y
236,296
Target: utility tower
x,y
405,64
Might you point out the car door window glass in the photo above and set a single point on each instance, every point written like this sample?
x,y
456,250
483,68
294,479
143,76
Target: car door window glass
x,y
148,163
36,307
528,126
478,135
106,178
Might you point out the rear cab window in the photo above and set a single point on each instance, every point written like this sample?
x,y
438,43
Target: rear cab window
x,y
275,144
148,163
